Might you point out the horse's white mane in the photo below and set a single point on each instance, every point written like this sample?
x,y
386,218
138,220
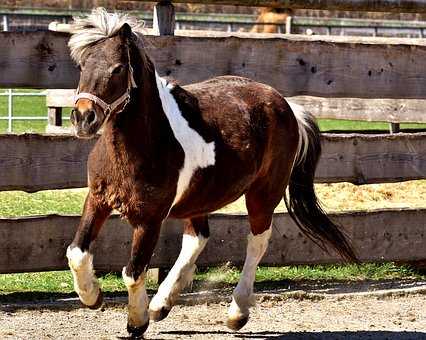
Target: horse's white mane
x,y
97,26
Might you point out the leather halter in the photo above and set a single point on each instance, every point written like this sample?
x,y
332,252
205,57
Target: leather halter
x,y
112,107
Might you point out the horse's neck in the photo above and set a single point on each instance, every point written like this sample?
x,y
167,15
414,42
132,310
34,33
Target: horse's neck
x,y
142,126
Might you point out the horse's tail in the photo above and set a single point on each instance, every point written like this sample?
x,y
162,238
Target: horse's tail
x,y
302,203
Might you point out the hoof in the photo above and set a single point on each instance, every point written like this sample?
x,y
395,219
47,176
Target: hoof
x,y
158,315
98,302
236,324
137,332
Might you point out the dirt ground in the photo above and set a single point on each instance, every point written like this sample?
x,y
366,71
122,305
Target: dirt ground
x,y
395,310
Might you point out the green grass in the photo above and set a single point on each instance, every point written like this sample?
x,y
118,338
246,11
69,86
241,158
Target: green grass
x,y
334,124
52,282
61,281
350,272
18,203
32,106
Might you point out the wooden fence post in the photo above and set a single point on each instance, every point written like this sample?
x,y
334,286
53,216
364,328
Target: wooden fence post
x,y
163,24
54,115
288,22
394,127
164,18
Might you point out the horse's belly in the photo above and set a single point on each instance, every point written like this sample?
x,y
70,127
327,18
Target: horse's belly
x,y
210,191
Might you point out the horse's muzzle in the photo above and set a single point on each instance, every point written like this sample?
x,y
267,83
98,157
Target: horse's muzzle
x,y
86,124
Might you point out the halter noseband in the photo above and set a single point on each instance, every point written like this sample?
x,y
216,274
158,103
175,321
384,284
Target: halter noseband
x,y
110,108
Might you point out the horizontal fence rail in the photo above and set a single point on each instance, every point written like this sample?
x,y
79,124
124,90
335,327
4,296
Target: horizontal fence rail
x,y
398,6
295,65
381,110
39,243
34,162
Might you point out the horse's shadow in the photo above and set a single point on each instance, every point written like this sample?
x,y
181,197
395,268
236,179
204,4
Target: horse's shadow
x,y
337,335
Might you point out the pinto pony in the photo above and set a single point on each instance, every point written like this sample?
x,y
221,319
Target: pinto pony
x,y
183,152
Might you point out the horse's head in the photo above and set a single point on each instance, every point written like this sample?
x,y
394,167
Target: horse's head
x,y
106,78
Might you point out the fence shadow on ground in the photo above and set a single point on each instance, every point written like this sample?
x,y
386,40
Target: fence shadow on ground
x,y
337,335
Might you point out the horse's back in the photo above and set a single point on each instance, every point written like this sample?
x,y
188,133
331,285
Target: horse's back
x,y
240,109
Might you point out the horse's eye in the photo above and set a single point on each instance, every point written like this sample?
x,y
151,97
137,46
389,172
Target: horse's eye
x,y
117,69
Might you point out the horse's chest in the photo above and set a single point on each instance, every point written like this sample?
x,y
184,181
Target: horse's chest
x,y
121,198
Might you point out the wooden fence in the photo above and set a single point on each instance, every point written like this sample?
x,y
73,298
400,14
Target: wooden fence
x,y
330,67
295,65
45,162
398,6
39,18
39,243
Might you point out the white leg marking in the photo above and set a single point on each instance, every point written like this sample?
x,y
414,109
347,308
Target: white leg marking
x,y
242,298
138,300
198,153
181,273
85,282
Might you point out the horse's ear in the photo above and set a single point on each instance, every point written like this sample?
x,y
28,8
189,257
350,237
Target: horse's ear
x,y
125,31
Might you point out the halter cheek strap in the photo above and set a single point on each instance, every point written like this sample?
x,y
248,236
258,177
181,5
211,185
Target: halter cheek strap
x,y
112,107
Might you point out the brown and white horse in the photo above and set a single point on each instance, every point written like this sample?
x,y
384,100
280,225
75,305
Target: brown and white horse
x,y
183,152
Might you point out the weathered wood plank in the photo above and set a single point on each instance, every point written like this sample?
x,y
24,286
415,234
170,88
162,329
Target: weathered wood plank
x,y
362,158
41,162
60,98
32,162
382,110
38,59
325,67
407,6
37,244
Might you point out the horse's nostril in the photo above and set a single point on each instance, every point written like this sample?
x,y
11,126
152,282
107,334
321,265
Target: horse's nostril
x,y
91,117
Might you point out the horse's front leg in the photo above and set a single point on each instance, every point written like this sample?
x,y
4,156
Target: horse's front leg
x,y
195,237
145,237
80,260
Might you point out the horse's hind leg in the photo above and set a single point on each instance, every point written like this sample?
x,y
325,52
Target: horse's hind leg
x,y
194,239
80,259
260,206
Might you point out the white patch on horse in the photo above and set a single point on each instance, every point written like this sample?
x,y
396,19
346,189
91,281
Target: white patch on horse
x,y
242,297
302,117
198,153
85,282
181,274
138,300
